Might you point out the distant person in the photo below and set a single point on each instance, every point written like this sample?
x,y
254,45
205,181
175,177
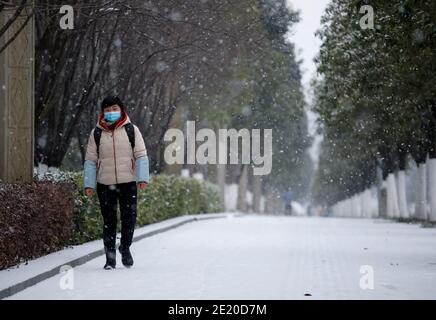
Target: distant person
x,y
309,210
287,198
116,163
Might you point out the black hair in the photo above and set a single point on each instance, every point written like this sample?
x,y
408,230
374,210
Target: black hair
x,y
110,101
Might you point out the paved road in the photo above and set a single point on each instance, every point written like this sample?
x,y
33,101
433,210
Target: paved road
x,y
265,257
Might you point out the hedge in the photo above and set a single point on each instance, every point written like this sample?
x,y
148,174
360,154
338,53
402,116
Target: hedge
x,y
35,219
165,197
53,212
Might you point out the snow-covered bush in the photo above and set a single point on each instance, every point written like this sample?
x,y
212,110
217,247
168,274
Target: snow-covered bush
x,y
52,175
170,196
165,197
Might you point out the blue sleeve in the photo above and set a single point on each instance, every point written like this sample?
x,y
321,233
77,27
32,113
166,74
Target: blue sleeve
x,y
90,179
142,170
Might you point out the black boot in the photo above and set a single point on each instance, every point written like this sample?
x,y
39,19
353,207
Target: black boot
x,y
126,256
111,260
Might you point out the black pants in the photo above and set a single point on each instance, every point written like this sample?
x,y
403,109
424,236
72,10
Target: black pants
x,y
109,196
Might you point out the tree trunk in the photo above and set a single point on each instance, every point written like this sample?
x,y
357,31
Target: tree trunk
x,y
82,144
388,166
421,192
269,202
242,192
432,188
366,200
381,194
382,203
221,180
221,165
393,210
432,164
257,193
402,199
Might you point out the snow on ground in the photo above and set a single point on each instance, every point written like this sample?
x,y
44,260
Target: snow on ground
x,y
33,268
264,257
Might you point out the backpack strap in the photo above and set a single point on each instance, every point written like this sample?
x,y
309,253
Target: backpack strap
x,y
130,130
97,137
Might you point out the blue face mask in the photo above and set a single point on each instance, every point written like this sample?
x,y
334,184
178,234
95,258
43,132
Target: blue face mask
x,y
112,116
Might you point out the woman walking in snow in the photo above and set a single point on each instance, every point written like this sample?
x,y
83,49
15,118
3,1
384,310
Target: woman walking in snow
x,y
116,164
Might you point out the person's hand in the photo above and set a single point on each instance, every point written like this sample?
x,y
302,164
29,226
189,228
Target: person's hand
x,y
89,192
142,185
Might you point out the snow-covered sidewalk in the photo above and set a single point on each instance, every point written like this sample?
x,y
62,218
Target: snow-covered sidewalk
x,y
264,257
26,274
